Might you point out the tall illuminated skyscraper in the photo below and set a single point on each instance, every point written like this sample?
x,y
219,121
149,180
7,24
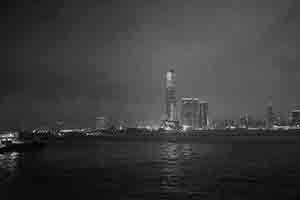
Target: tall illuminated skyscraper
x,y
171,111
269,116
203,114
170,122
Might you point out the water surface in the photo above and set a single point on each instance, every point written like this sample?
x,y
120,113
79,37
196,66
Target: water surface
x,y
86,168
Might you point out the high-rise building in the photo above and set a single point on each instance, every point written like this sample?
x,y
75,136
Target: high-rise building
x,y
203,106
270,116
244,121
101,123
294,118
171,100
190,113
170,121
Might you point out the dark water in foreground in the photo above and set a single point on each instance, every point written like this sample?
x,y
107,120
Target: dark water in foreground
x,y
90,168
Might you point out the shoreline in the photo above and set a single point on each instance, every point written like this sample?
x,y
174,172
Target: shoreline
x,y
226,139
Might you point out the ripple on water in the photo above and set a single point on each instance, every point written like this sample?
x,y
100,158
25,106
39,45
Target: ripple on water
x,y
8,165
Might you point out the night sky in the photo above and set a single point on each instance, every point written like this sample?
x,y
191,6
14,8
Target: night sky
x,y
74,60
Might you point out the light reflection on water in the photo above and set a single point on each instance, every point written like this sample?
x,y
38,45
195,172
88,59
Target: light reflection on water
x,y
171,172
8,164
175,159
155,170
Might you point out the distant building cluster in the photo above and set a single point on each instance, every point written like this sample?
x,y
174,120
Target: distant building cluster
x,y
193,113
185,113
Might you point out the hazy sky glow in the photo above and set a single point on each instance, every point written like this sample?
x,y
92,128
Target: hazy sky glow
x,y
74,60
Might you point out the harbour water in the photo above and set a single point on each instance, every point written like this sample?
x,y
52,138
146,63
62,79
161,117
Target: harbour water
x,y
90,167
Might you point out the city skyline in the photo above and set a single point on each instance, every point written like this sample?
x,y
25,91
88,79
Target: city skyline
x,y
75,60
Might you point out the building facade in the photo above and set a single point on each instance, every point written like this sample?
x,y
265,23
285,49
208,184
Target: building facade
x,y
190,113
294,118
203,106
171,101
101,123
270,116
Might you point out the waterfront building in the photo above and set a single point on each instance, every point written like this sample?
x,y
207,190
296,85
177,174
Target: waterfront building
x,y
59,125
270,116
190,113
8,135
171,121
171,96
244,121
294,118
203,106
101,123
229,124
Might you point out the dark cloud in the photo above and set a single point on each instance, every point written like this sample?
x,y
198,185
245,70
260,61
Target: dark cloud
x,y
78,59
